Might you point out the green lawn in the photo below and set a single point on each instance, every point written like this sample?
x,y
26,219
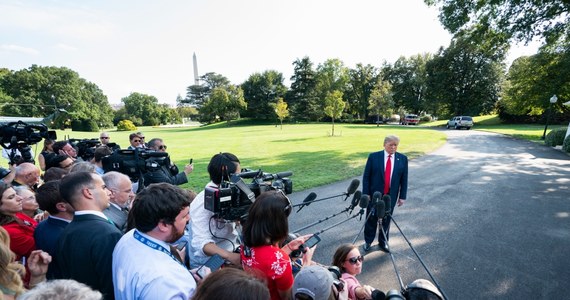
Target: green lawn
x,y
307,150
492,123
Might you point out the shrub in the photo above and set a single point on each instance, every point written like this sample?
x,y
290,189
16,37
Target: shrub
x,y
84,125
566,144
126,125
555,137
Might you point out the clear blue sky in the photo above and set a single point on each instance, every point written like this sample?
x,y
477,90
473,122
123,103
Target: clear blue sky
x,y
146,46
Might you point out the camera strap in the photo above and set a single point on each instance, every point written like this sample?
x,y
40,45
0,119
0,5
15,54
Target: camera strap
x,y
243,187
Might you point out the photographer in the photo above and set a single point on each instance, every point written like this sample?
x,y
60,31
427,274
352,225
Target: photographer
x,y
211,235
166,172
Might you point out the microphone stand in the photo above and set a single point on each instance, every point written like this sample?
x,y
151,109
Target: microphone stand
x,y
391,256
322,199
361,212
372,211
417,255
324,219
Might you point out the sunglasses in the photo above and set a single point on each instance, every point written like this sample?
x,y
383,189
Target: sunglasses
x,y
162,147
289,206
354,260
137,141
105,137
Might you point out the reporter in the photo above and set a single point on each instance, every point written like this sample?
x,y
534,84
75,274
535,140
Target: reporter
x,y
231,283
265,229
348,259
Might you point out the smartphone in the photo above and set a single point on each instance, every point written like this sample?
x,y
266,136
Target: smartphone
x,y
181,245
191,161
312,241
214,263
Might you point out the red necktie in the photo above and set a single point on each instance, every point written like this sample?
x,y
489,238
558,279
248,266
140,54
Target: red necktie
x,y
387,174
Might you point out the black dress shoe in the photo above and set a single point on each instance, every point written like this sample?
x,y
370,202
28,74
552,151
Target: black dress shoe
x,y
384,248
366,247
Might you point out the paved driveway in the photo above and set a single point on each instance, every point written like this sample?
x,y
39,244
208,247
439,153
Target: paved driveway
x,y
488,214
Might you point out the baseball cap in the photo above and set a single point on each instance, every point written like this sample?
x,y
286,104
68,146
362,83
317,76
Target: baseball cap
x,y
314,281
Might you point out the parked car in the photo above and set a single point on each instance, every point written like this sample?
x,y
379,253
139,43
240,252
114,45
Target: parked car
x,y
410,120
459,122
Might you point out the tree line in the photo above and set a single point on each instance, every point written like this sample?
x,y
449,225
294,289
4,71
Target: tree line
x,y
468,77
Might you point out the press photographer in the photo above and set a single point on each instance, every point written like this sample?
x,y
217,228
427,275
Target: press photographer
x,y
211,234
167,171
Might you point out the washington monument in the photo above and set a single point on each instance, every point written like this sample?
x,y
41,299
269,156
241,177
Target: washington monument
x,y
196,80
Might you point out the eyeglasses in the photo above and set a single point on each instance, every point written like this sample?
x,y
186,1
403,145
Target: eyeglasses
x,y
105,137
162,147
136,141
354,260
289,206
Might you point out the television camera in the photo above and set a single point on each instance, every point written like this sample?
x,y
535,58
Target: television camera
x,y
85,147
135,163
18,136
231,201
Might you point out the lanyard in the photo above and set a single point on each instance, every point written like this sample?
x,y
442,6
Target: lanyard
x,y
155,246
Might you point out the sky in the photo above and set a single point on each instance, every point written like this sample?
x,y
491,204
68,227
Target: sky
x,y
147,46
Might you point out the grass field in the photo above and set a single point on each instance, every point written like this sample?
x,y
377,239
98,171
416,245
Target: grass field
x,y
308,150
492,123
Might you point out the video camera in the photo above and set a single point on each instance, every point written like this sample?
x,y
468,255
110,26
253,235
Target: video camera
x,y
85,147
231,201
134,163
19,136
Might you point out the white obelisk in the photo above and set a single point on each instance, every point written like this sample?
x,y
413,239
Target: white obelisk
x,y
196,80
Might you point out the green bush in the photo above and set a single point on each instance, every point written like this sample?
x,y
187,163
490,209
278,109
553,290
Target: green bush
x,y
84,125
555,137
126,125
566,144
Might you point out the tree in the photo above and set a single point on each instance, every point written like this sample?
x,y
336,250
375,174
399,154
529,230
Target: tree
x,y
408,78
302,96
334,106
261,91
331,76
223,103
465,79
502,20
142,107
281,110
198,94
381,102
361,81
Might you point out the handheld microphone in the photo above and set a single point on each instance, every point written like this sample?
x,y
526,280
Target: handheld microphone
x,y
310,198
387,203
364,200
352,187
355,200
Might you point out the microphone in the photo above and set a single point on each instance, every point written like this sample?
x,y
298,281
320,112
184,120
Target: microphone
x,y
378,295
352,187
376,197
280,175
310,198
387,203
355,200
364,200
249,174
380,210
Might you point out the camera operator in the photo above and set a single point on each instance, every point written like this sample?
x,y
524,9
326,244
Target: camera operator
x,y
65,148
166,172
211,235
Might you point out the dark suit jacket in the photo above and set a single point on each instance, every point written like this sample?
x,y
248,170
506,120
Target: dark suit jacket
x,y
163,174
85,251
47,235
373,178
116,215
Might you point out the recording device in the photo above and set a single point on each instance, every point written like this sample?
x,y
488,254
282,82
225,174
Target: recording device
x,y
310,198
387,203
231,201
349,191
355,200
134,163
213,263
191,161
85,147
18,136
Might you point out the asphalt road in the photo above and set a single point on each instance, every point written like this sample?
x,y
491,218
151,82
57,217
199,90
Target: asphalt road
x,y
488,214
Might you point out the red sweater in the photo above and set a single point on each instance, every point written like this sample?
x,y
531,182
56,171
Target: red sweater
x,y
21,234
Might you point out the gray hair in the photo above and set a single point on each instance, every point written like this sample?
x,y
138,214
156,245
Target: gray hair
x,y
391,138
61,289
113,179
83,167
152,142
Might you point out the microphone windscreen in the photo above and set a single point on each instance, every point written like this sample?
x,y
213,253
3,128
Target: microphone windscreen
x,y
356,199
353,186
376,197
364,200
387,202
310,197
281,175
380,210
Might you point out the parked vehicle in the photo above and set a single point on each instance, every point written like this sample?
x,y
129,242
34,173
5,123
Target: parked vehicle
x,y
459,122
410,120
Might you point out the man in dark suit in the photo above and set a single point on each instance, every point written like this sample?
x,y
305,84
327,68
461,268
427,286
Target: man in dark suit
x,y
86,245
386,171
121,195
49,230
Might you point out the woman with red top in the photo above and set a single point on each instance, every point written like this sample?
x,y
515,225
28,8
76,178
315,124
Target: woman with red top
x,y
19,226
265,229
